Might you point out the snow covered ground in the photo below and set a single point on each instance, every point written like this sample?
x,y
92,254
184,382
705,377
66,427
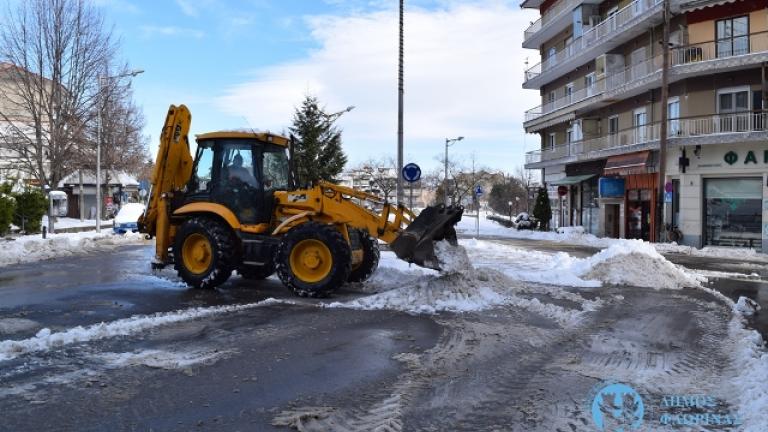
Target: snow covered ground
x,y
34,248
467,227
64,222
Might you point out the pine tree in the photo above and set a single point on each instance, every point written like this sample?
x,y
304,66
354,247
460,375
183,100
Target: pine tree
x,y
542,211
318,154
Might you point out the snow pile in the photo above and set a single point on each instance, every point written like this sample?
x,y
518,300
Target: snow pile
x,y
746,306
749,386
452,259
636,263
630,262
34,247
46,339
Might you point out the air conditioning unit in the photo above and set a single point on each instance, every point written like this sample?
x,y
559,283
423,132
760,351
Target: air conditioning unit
x,y
614,63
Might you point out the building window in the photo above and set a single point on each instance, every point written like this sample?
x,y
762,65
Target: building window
x,y
552,139
673,114
589,83
733,212
732,36
640,124
613,125
732,109
569,92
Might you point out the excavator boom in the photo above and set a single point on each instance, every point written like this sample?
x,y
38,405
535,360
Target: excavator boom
x,y
170,173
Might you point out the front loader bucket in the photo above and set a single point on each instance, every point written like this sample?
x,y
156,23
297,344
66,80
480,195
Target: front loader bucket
x,y
417,243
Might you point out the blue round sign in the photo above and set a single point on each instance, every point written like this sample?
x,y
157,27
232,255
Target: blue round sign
x,y
411,173
618,408
478,190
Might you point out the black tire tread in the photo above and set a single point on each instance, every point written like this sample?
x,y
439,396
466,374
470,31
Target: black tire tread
x,y
340,250
371,257
223,243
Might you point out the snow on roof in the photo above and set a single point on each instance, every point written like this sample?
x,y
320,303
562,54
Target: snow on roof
x,y
121,178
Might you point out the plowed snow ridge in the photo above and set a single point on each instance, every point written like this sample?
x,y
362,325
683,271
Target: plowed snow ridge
x,y
45,339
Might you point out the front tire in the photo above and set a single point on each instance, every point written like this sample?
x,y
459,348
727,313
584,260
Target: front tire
x,y
363,270
204,252
313,260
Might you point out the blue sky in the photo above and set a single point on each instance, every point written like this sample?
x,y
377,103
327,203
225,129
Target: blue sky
x,y
247,63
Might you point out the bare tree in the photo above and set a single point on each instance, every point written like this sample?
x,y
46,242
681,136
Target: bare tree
x,y
54,51
382,175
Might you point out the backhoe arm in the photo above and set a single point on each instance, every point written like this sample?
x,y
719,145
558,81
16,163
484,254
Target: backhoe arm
x,y
171,172
411,238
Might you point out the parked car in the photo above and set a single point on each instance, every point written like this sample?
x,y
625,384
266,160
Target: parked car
x,y
127,218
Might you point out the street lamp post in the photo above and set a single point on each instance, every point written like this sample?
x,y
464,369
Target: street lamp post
x,y
510,211
103,79
448,142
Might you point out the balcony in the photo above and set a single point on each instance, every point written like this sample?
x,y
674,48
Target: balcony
x,y
685,62
703,130
619,28
553,21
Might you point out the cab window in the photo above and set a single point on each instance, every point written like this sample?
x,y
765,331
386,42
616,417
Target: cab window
x,y
275,169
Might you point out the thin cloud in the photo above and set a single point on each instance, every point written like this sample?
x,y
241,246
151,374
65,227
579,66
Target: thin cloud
x,y
187,8
463,70
171,31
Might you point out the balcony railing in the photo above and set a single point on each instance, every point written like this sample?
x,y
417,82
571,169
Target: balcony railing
x,y
615,82
678,128
603,31
719,49
556,11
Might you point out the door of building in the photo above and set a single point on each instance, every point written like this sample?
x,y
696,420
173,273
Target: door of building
x,y
612,220
639,214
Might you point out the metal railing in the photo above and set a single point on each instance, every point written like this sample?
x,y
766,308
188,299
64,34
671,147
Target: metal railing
x,y
718,49
614,81
753,43
609,27
556,11
683,127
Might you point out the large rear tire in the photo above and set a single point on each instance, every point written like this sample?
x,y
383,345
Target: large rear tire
x,y
204,252
364,269
313,260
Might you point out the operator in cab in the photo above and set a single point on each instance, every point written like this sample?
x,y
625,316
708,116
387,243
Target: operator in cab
x,y
238,172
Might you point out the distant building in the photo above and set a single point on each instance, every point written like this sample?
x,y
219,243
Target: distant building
x,y
382,181
117,187
599,120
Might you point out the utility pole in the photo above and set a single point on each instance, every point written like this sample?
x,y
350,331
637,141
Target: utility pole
x,y
664,119
400,91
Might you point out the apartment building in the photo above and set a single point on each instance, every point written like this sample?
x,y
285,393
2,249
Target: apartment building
x,y
599,120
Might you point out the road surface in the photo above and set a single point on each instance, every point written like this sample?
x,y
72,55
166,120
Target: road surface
x,y
293,364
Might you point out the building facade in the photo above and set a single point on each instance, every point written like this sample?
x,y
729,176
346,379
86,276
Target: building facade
x,y
600,113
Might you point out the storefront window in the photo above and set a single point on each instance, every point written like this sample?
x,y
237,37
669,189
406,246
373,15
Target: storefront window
x,y
733,212
590,205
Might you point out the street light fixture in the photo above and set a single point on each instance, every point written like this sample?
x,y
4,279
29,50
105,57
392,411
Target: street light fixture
x,y
102,79
448,142
334,116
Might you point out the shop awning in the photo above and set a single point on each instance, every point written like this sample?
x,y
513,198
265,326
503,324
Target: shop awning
x,y
571,180
627,164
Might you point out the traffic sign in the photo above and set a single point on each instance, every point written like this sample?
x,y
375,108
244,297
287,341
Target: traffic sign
x,y
478,190
411,173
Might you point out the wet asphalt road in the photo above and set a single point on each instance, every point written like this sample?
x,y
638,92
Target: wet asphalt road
x,y
506,369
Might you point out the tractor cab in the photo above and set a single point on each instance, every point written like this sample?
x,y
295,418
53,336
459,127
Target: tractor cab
x,y
241,171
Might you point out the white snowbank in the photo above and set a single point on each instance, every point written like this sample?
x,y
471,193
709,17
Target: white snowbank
x,y
452,259
577,236
46,339
635,263
630,262
65,222
749,386
34,247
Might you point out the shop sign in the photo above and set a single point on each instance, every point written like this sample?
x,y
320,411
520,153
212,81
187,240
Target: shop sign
x,y
610,187
751,158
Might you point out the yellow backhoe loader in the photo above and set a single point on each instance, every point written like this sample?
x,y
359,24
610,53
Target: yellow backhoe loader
x,y
235,206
